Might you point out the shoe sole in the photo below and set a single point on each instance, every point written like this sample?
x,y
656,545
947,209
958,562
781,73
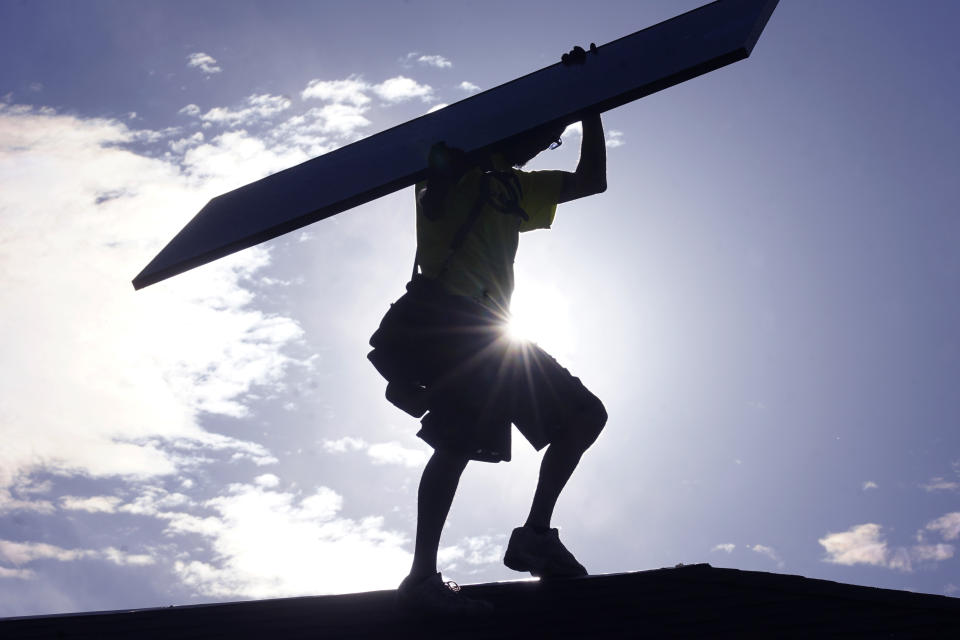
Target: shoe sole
x,y
522,563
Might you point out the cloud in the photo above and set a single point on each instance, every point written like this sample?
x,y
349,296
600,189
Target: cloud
x,y
475,550
254,108
319,130
726,548
940,484
267,481
119,557
614,138
93,504
435,61
21,574
870,484
351,90
10,503
379,453
574,129
268,543
344,444
20,553
401,88
861,544
948,525
153,500
340,119
769,552
394,453
233,159
204,62
437,107
864,544
125,375
181,145
932,552
190,110
469,87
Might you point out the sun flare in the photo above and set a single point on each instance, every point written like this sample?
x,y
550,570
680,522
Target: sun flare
x,y
541,314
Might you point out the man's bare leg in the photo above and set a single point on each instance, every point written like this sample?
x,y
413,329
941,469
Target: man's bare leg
x,y
438,484
535,547
559,461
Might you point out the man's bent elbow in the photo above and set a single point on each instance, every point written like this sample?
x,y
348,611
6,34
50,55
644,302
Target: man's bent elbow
x,y
597,185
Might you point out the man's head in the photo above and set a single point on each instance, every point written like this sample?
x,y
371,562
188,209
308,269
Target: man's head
x,y
521,149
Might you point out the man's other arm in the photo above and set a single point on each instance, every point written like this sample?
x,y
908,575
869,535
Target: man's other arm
x,y
591,174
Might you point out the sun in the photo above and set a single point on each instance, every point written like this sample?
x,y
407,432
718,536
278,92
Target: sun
x,y
541,313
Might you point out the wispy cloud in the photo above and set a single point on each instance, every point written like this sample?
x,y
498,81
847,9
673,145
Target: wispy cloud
x,y
351,90
473,550
379,453
725,547
135,368
469,87
435,61
203,61
574,129
181,145
768,552
253,109
267,481
20,574
20,553
870,484
269,543
861,544
339,119
395,453
438,61
93,504
354,91
614,139
344,444
865,544
401,89
947,525
940,484
9,502
190,110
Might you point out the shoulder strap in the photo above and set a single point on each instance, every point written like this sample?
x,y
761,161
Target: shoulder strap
x,y
461,235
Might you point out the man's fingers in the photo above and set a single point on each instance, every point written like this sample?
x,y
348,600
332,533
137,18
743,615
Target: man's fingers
x,y
577,55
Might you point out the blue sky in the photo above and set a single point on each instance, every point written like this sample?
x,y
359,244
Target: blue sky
x,y
765,299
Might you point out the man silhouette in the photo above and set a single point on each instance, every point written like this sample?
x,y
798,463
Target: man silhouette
x,y
443,348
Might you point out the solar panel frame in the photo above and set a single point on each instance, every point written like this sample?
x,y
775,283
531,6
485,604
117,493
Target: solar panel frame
x,y
621,71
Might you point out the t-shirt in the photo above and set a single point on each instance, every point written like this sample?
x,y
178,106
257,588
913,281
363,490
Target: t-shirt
x,y
482,268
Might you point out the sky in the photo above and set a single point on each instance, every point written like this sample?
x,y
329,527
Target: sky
x,y
765,299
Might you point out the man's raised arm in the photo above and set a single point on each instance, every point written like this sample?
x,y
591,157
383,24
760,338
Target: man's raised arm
x,y
591,174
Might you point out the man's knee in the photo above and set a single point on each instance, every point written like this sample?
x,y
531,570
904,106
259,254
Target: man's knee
x,y
590,422
447,462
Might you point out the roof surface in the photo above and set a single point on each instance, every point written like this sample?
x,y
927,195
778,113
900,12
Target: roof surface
x,y
684,601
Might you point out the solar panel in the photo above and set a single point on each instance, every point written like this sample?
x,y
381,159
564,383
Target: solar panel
x,y
619,72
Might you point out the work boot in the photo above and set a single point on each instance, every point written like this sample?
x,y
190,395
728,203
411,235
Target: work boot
x,y
542,554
